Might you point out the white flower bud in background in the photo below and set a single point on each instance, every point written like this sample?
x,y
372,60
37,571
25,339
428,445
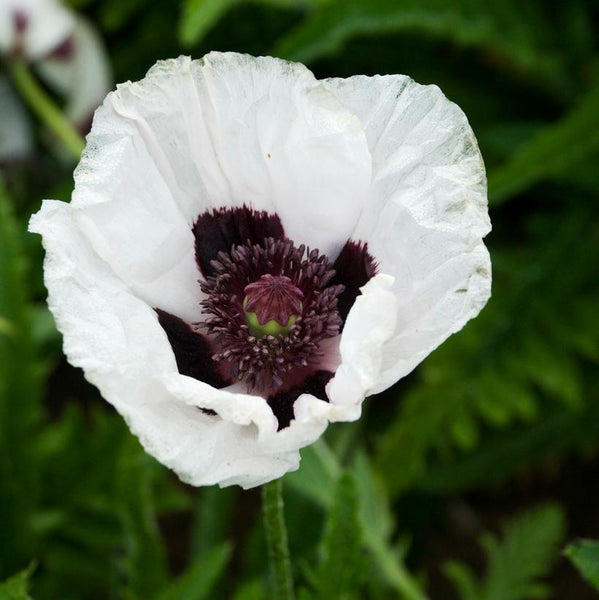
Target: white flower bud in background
x,y
34,28
67,53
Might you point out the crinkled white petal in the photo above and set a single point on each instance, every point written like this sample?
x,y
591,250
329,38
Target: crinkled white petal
x,y
49,23
116,339
252,410
427,212
283,142
83,77
369,325
221,132
16,140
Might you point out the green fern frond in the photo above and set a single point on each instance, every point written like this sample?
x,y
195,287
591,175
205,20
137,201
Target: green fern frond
x,y
584,554
17,586
516,562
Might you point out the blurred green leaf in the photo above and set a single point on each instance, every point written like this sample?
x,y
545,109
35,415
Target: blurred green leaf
x,y
318,473
145,564
197,582
378,524
499,28
116,13
199,16
77,457
553,149
584,554
375,513
342,566
549,368
214,511
304,594
424,414
463,578
43,327
517,562
78,4
20,390
17,586
497,458
252,590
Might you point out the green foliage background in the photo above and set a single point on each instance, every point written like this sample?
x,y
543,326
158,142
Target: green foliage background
x,y
467,478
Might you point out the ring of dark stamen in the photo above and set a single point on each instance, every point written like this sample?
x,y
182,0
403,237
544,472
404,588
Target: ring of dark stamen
x,y
266,363
218,231
353,268
221,229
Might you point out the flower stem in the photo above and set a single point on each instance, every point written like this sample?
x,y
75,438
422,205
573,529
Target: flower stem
x,y
276,537
44,107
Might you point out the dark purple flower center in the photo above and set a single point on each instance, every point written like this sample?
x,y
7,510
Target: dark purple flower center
x,y
278,280
268,308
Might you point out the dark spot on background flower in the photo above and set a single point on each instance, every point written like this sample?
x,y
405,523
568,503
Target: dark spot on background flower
x,y
20,21
235,247
64,50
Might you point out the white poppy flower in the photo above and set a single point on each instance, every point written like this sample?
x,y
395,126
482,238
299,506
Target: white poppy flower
x,y
178,273
81,73
34,28
64,48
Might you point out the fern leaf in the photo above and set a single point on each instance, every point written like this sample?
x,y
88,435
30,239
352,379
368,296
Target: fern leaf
x,y
17,586
197,582
584,554
520,559
342,567
544,155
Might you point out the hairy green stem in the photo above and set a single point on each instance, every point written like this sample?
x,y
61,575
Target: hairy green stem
x,y
39,101
276,537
